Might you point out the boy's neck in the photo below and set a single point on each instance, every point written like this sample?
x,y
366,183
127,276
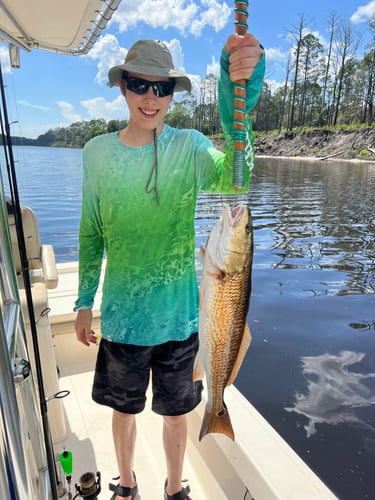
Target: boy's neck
x,y
135,137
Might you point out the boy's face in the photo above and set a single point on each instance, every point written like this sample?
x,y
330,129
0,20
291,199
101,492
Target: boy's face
x,y
147,111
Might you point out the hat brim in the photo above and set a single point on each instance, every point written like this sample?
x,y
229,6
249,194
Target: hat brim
x,y
182,81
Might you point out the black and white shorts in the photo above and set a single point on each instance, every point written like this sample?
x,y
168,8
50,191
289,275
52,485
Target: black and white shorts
x,y
122,376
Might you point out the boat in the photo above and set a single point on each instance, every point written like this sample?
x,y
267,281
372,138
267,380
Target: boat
x,y
55,441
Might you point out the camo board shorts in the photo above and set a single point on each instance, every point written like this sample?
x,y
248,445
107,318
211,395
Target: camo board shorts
x,y
122,375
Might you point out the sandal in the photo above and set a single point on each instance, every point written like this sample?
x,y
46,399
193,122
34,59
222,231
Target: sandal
x,y
181,495
123,491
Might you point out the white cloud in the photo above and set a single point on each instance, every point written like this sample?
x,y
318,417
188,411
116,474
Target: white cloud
x,y
156,13
213,68
186,16
276,64
195,83
100,108
33,106
108,53
274,85
174,47
276,54
68,113
364,13
216,15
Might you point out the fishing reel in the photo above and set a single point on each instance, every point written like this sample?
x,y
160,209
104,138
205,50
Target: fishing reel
x,y
89,487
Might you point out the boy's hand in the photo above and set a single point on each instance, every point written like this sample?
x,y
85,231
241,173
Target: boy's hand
x,y
244,54
82,327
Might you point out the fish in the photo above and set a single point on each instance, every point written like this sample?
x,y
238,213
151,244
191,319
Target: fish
x,y
224,298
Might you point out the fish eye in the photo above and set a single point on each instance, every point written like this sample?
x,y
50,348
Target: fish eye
x,y
248,228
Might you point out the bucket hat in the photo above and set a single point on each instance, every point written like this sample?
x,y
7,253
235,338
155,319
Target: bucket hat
x,y
149,57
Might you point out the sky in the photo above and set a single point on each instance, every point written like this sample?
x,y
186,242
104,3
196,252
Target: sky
x,y
52,90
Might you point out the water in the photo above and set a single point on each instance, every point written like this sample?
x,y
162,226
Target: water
x,y
311,367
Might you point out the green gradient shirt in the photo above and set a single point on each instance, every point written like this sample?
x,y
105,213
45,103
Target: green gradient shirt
x,y
150,293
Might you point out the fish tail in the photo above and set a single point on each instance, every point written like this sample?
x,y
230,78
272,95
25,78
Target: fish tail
x,y
216,422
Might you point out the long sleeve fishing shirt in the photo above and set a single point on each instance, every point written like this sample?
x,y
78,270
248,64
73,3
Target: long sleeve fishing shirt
x,y
150,292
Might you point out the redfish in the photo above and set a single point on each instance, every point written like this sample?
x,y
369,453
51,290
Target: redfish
x,y
223,305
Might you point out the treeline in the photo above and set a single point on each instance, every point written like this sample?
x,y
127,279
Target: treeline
x,y
74,136
329,85
324,85
78,133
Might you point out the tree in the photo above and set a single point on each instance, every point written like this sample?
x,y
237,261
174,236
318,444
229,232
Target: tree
x,y
206,116
332,29
115,125
347,45
46,139
369,75
266,112
368,65
298,36
285,93
179,116
310,55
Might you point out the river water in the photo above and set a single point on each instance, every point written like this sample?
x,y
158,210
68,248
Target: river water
x,y
310,370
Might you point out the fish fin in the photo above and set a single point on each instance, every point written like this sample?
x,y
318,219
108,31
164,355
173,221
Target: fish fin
x,y
198,373
219,275
245,343
216,423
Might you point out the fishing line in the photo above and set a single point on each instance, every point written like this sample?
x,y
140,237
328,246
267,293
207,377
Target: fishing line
x,y
11,97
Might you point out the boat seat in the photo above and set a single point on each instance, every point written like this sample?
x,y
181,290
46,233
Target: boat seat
x,y
41,258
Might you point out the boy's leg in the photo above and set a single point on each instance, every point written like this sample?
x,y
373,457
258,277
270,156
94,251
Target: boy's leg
x,y
124,432
174,395
174,440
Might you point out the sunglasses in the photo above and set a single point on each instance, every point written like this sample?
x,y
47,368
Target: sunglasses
x,y
140,87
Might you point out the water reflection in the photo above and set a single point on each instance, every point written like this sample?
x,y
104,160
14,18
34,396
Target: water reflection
x,y
334,393
319,216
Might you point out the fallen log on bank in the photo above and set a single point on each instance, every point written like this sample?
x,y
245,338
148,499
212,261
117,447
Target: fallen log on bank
x,y
330,156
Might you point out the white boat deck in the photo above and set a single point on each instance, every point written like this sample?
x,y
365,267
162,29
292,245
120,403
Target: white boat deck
x,y
259,461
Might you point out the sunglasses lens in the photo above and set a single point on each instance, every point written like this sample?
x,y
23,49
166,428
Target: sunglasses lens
x,y
163,88
136,85
140,87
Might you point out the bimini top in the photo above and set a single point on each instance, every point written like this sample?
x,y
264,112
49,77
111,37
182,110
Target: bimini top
x,y
62,26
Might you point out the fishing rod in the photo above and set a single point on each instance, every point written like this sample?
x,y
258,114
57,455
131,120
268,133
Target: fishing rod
x,y
239,101
10,165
